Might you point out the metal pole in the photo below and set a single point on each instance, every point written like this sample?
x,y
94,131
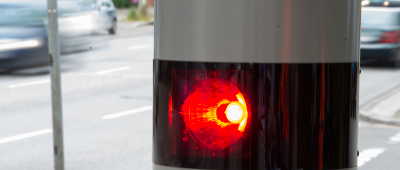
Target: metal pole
x,y
54,53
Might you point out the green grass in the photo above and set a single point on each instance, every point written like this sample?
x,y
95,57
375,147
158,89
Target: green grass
x,y
138,14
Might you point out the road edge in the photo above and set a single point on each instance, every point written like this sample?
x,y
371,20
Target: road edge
x,y
376,119
367,116
139,24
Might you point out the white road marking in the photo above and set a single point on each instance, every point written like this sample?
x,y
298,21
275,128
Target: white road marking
x,y
139,47
29,83
125,113
26,135
394,139
367,155
113,70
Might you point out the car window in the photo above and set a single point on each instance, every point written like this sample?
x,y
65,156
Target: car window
x,y
75,6
106,4
21,15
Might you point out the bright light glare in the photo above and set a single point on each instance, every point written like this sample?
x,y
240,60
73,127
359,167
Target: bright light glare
x,y
19,45
3,41
386,3
365,2
235,112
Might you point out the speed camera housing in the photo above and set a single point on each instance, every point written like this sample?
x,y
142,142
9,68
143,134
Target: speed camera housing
x,y
256,84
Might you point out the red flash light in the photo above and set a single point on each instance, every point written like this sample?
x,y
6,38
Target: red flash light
x,y
235,112
215,113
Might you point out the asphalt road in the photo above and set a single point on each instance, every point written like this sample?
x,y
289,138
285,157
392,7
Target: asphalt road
x,y
99,87
114,78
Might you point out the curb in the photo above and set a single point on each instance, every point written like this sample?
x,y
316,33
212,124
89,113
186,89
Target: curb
x,y
139,24
376,119
367,116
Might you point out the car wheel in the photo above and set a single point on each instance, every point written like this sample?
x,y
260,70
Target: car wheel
x,y
113,28
396,63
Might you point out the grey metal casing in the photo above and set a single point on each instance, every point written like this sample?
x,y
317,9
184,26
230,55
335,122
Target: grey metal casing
x,y
258,31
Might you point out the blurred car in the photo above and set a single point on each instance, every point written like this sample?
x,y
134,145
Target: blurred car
x,y
23,36
105,16
380,35
23,28
87,17
381,3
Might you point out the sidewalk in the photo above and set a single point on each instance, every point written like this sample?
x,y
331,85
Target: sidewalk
x,y
122,15
126,28
385,109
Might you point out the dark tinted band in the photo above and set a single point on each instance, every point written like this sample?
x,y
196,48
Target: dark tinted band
x,y
300,116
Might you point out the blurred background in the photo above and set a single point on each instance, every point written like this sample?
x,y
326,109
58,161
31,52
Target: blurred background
x,y
106,64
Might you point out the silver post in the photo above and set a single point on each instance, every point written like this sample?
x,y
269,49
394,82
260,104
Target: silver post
x,y
54,54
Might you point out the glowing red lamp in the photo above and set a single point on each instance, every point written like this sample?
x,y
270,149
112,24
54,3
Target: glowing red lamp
x,y
215,113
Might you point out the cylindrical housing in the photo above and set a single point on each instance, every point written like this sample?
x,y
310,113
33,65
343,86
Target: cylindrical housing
x,y
256,84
